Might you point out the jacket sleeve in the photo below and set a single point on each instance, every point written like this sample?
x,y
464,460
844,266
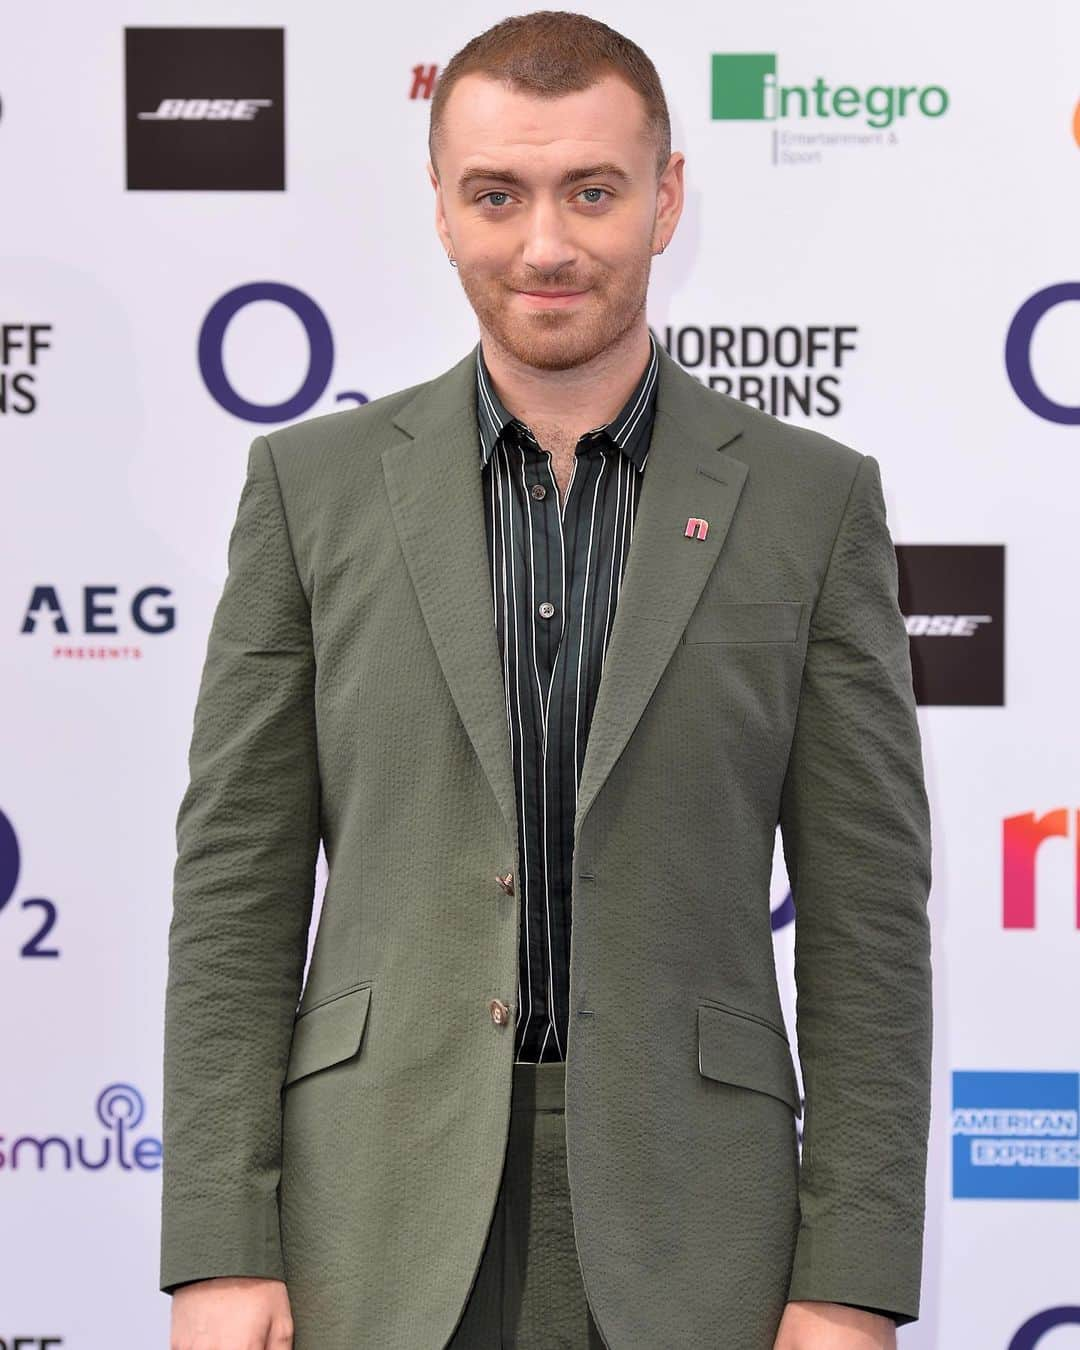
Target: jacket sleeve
x,y
247,836
855,825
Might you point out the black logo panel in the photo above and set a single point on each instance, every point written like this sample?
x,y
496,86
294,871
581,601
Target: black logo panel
x,y
205,109
953,599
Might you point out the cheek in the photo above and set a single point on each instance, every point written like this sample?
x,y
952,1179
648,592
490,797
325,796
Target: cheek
x,y
632,271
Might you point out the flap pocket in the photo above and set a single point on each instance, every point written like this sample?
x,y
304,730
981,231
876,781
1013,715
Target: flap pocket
x,y
744,621
736,1048
329,1032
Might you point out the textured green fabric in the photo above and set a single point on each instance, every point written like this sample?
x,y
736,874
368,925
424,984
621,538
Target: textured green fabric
x,y
352,691
528,1291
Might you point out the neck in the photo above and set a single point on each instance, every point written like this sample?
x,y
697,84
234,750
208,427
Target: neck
x,y
577,399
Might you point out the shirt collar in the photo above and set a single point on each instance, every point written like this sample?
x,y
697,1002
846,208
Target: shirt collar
x,y
630,428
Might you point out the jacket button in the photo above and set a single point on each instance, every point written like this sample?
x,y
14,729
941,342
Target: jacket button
x,y
506,882
500,1013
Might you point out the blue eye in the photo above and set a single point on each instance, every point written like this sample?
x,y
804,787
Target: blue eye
x,y
496,206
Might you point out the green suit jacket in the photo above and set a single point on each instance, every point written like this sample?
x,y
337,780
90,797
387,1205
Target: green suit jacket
x,y
349,1137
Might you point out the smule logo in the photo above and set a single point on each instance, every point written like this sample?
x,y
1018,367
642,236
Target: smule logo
x,y
1022,837
320,353
10,862
119,1108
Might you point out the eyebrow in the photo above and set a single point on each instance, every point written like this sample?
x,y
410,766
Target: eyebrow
x,y
605,170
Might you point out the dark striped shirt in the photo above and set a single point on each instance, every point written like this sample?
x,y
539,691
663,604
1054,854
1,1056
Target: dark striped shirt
x,y
555,580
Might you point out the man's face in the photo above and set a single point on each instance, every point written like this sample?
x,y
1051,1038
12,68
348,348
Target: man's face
x,y
518,228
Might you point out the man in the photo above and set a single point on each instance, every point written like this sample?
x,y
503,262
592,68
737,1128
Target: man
x,y
558,632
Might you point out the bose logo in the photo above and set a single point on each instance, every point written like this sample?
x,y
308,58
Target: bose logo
x,y
206,110
945,625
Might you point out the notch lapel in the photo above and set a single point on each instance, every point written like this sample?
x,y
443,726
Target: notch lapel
x,y
666,570
435,488
434,485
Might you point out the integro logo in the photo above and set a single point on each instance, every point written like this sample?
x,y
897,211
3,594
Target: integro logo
x,y
745,89
1022,837
1015,1135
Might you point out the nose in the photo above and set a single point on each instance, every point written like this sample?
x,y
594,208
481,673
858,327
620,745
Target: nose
x,y
548,247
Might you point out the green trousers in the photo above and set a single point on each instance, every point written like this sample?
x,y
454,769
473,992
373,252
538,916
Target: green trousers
x,y
528,1292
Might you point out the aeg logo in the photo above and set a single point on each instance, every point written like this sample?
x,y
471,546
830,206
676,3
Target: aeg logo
x,y
97,610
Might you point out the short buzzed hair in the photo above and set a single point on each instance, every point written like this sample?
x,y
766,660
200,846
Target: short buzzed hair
x,y
550,53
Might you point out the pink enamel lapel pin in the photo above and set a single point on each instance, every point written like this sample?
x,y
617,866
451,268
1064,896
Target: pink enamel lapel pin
x,y
696,527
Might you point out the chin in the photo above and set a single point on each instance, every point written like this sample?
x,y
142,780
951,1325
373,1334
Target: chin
x,y
556,341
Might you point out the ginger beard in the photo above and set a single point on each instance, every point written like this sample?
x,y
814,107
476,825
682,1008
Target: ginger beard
x,y
560,339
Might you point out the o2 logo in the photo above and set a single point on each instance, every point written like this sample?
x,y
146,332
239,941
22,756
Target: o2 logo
x,y
320,353
783,913
1035,1328
1018,354
781,905
9,876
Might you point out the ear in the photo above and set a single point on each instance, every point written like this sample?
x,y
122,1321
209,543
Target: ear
x,y
669,200
441,226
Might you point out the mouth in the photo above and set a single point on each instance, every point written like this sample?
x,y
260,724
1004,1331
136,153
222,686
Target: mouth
x,y
551,299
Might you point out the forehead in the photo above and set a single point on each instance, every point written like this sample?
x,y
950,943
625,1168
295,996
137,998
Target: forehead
x,y
485,117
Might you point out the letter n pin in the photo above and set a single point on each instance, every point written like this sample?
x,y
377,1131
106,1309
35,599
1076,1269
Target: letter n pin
x,y
696,527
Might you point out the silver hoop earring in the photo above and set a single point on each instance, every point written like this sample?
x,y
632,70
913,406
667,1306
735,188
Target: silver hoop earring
x,y
662,247
451,260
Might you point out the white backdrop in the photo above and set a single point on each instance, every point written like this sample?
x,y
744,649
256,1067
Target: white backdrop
x,y
922,239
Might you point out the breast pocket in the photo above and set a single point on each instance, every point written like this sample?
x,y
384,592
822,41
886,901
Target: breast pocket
x,y
744,621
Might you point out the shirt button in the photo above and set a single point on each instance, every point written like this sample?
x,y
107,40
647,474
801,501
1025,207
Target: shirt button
x,y
547,609
506,881
500,1013
539,491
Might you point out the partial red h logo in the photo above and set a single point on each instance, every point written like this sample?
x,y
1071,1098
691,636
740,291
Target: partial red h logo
x,y
423,81
695,526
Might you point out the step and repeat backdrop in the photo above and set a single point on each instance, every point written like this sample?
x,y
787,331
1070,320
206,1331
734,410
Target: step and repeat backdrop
x,y
216,220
